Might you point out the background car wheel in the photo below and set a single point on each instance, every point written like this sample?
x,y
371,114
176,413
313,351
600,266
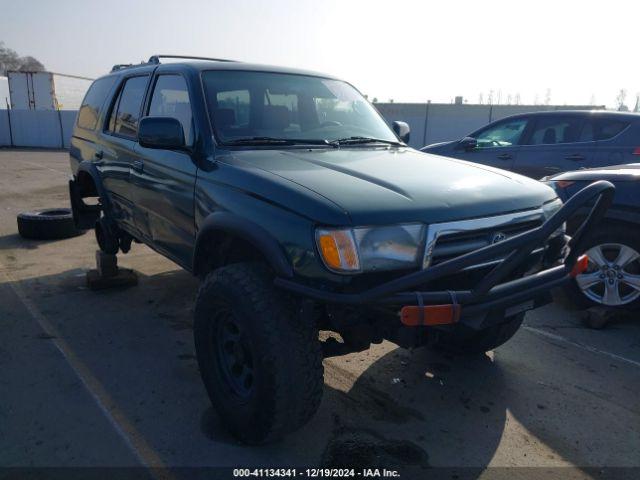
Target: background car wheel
x,y
261,364
47,224
465,340
613,276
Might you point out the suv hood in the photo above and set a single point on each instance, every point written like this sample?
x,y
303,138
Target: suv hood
x,y
393,185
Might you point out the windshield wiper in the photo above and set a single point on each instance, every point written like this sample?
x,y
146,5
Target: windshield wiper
x,y
362,140
276,141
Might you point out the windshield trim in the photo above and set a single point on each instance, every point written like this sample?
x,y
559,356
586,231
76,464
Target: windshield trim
x,y
219,142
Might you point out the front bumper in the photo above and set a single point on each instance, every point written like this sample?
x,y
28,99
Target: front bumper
x,y
494,296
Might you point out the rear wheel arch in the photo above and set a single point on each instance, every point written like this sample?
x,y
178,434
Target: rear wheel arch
x,y
88,179
225,238
86,184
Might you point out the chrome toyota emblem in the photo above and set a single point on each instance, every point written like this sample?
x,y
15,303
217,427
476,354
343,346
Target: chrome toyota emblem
x,y
498,237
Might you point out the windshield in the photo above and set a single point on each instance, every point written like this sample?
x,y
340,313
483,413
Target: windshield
x,y
247,105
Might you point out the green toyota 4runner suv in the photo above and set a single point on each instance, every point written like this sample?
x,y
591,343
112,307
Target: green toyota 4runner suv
x,y
301,210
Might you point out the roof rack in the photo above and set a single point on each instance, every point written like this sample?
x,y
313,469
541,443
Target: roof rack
x,y
155,59
121,66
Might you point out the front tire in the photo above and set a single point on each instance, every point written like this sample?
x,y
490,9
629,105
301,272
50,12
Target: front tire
x,y
260,362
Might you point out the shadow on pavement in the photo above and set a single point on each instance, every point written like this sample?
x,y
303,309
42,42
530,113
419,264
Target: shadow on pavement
x,y
410,410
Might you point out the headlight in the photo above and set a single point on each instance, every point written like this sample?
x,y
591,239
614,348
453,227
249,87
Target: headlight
x,y
551,207
549,210
352,250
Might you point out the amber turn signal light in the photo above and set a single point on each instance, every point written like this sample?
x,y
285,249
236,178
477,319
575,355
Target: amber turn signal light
x,y
338,250
412,316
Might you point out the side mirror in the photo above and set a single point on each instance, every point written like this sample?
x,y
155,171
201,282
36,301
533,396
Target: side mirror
x,y
402,130
161,132
468,143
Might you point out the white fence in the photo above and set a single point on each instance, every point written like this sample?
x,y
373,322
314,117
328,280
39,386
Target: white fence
x,y
439,122
430,122
36,128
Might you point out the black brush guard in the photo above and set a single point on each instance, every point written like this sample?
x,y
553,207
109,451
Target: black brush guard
x,y
489,294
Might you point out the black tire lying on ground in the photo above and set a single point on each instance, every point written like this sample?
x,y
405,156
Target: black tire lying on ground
x,y
47,224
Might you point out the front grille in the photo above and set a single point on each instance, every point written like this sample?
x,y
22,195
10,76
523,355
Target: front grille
x,y
452,240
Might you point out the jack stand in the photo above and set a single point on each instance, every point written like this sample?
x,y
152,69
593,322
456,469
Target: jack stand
x,y
598,317
108,275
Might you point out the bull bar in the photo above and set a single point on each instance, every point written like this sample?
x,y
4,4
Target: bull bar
x,y
489,293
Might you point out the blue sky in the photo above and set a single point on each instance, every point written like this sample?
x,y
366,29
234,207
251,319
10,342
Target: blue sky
x,y
405,50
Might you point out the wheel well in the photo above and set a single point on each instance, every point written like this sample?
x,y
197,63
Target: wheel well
x,y
217,249
87,185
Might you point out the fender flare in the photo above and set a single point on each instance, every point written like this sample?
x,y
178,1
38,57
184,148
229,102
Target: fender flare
x,y
263,241
90,169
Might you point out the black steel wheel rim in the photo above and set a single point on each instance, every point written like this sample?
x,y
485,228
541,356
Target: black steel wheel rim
x,y
234,356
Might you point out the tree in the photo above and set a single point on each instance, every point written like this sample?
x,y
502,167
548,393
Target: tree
x,y
30,64
10,60
622,95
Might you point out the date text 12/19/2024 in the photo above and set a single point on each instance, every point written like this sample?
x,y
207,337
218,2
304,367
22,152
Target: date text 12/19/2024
x,y
315,473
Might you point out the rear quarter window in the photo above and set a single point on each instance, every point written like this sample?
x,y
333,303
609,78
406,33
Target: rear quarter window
x,y
125,111
607,129
94,99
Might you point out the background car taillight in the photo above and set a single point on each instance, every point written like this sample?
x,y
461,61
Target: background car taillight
x,y
564,183
636,151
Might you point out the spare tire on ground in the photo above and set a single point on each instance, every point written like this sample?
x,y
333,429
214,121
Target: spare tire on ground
x,y
47,224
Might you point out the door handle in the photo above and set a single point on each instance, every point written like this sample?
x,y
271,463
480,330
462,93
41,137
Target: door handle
x,y
137,165
505,156
575,156
98,155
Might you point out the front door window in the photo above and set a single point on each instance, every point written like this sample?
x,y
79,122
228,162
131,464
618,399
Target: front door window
x,y
504,134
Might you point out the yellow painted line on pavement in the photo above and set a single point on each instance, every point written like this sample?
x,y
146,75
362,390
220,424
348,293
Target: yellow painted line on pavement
x,y
147,456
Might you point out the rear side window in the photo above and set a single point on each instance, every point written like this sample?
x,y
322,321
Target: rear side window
x,y
93,100
606,129
556,129
232,111
171,99
125,112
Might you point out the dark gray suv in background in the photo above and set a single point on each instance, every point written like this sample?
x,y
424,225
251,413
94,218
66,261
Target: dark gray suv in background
x,y
546,143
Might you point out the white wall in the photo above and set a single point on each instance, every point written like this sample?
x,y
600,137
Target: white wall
x,y
33,128
445,121
36,128
4,92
